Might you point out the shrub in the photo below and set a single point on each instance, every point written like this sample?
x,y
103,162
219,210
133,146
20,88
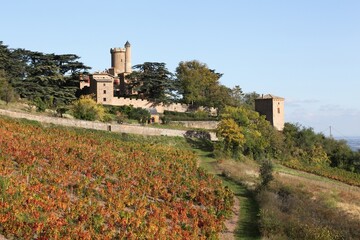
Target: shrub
x,y
7,93
86,108
188,116
139,114
266,170
231,135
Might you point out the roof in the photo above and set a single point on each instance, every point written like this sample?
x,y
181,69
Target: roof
x,y
102,77
269,96
127,44
153,111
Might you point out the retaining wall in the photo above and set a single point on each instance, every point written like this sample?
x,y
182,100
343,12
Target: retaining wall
x,y
199,124
121,128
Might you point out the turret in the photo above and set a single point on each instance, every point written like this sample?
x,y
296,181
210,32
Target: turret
x,y
118,60
127,57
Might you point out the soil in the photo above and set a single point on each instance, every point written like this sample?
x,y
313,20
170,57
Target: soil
x,y
231,223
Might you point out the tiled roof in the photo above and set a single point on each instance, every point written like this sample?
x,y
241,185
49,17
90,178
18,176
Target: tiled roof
x,y
269,96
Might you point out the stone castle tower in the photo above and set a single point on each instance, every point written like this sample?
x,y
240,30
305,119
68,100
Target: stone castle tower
x,y
273,108
120,60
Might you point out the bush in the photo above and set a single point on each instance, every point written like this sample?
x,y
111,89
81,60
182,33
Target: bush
x,y
86,108
40,104
266,170
188,116
139,114
7,93
123,112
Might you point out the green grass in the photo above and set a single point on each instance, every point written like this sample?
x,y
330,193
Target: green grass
x,y
247,228
249,209
306,175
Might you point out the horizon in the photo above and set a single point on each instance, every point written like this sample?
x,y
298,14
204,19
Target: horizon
x,y
306,52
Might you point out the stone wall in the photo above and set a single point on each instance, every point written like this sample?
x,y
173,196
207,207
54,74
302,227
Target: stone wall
x,y
121,101
175,107
198,124
121,128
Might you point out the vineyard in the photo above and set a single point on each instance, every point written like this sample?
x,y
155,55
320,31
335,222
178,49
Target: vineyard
x,y
65,184
338,174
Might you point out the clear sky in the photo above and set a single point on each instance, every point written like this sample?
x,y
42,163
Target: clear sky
x,y
307,51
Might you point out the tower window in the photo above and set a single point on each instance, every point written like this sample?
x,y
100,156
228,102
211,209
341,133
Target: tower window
x,y
104,84
104,99
278,110
104,91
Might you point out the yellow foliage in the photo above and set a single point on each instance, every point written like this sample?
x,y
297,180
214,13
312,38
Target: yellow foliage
x,y
86,108
318,155
231,132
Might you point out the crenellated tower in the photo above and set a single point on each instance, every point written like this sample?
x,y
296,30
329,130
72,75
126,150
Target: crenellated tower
x,y
120,60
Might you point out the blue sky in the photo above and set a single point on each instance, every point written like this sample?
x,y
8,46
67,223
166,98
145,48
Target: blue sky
x,y
307,51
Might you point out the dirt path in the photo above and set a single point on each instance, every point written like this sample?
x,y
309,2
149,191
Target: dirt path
x,y
243,224
232,223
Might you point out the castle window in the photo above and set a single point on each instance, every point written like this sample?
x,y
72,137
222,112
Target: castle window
x,y
104,91
104,99
278,110
104,84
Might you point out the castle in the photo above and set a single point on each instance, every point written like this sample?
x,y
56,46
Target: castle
x,y
110,88
112,82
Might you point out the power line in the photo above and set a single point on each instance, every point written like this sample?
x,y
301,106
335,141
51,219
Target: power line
x,y
330,130
340,133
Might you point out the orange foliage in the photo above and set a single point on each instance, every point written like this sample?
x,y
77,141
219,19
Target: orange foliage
x,y
57,183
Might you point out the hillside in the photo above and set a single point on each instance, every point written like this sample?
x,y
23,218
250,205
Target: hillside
x,y
60,183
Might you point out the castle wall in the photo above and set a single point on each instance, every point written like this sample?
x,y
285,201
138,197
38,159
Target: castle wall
x,y
160,108
121,101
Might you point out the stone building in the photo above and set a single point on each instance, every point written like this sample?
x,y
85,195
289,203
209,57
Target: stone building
x,y
273,108
110,86
112,82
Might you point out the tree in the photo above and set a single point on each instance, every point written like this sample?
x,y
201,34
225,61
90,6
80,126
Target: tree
x,y
249,99
36,75
11,63
140,114
199,85
220,97
7,93
237,96
48,75
258,132
153,81
231,134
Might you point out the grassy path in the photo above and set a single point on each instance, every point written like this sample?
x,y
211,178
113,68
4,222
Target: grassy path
x,y
247,225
